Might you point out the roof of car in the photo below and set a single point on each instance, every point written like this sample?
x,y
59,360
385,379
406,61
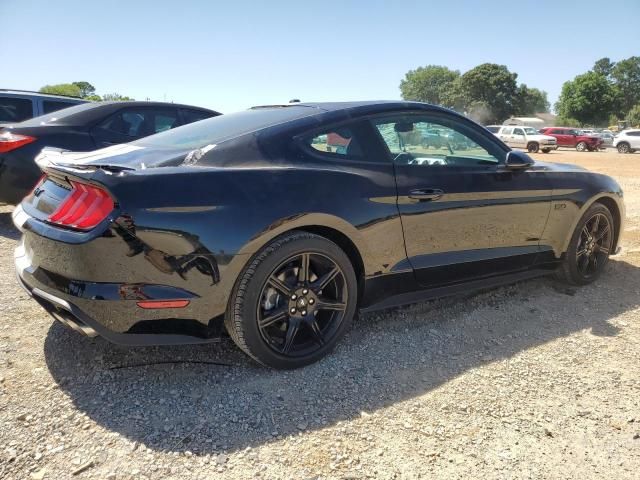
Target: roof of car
x,y
336,110
146,103
31,93
374,104
88,113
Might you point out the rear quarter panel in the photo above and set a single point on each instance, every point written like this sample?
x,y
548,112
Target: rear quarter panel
x,y
230,214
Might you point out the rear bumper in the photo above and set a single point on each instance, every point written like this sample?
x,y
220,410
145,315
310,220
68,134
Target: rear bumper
x,y
65,306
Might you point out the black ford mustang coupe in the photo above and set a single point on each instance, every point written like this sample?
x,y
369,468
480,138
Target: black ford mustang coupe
x,y
280,222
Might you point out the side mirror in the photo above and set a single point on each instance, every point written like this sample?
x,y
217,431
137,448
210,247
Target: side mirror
x,y
517,160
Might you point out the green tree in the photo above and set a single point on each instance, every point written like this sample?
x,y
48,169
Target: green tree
x,y
603,66
86,89
589,98
633,117
428,84
531,101
493,88
116,97
68,89
626,76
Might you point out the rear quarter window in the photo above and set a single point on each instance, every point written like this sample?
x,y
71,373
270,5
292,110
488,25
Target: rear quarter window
x,y
53,106
338,142
190,116
15,109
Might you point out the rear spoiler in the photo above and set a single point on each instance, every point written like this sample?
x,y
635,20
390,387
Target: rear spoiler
x,y
54,158
118,158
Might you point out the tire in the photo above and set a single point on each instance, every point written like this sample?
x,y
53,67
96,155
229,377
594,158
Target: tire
x,y
533,147
623,147
572,270
581,146
546,150
270,287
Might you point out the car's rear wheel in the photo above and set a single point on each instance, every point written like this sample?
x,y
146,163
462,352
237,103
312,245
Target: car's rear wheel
x,y
581,146
623,147
589,248
533,147
546,150
293,302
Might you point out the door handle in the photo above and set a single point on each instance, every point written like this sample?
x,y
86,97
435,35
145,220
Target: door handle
x,y
426,194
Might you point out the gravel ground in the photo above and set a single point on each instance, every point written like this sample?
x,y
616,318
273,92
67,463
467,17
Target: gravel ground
x,y
534,380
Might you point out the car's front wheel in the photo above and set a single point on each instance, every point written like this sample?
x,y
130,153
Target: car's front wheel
x,y
293,302
623,147
581,146
533,147
589,248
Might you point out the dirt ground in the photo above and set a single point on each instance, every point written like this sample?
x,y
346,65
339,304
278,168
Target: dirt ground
x,y
535,380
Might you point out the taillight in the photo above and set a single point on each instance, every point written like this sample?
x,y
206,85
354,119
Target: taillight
x,y
84,208
10,141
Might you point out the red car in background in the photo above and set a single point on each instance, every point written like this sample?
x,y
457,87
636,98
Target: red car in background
x,y
574,138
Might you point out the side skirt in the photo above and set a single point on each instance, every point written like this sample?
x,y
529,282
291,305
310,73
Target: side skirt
x,y
474,285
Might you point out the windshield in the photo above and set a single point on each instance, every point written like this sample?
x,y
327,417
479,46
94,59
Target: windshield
x,y
530,131
224,127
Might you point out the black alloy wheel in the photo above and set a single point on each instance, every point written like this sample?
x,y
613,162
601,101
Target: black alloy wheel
x,y
293,302
302,304
533,147
595,244
590,247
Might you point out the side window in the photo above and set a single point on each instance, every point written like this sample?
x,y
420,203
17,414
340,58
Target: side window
x,y
556,131
15,109
634,134
127,122
165,120
436,142
52,106
339,141
190,116
507,131
518,131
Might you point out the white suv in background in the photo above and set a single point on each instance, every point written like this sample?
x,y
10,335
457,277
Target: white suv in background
x,y
627,141
526,137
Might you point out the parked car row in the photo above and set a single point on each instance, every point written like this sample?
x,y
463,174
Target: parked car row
x,y
551,138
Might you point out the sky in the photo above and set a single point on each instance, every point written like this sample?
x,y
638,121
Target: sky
x,y
235,54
